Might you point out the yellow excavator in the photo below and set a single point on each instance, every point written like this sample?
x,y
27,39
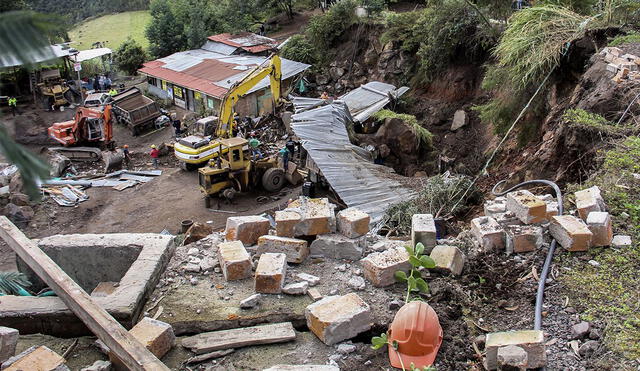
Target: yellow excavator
x,y
197,149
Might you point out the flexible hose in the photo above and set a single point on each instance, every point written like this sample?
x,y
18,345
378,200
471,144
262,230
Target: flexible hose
x,y
537,324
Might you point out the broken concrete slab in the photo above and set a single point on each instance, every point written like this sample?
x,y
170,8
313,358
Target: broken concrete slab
x,y
488,232
353,223
448,259
311,279
337,246
423,229
527,207
589,200
570,232
296,250
621,241
250,302
380,267
314,294
270,273
240,337
337,318
246,229
234,260
600,224
8,341
523,238
299,288
36,358
532,341
196,232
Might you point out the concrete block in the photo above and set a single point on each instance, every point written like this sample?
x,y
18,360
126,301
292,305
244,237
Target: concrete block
x,y
379,267
507,218
495,206
311,279
616,52
423,229
298,288
36,359
571,232
513,357
337,246
318,216
448,259
286,222
337,318
488,232
353,223
156,336
234,260
523,238
532,341
8,342
600,225
246,229
620,241
296,250
552,209
527,207
612,67
589,200
314,294
270,273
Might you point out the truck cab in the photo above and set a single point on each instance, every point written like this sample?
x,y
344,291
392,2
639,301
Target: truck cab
x,y
198,148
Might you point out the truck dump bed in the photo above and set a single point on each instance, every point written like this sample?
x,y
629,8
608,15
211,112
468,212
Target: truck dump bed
x,y
135,110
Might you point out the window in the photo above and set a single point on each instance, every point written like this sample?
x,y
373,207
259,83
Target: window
x,y
236,155
177,92
152,81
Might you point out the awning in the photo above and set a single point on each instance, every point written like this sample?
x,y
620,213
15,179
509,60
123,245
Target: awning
x,y
85,55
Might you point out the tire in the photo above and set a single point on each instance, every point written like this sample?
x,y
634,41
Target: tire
x,y
273,179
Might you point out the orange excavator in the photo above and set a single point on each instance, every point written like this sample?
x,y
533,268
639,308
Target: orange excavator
x,y
90,128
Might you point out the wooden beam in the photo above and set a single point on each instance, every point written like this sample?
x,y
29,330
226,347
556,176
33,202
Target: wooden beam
x,y
129,350
240,337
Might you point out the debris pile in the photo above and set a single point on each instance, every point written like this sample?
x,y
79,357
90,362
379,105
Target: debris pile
x,y
624,66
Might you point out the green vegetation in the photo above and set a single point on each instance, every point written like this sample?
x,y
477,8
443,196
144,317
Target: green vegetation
x,y
609,293
130,56
414,280
324,30
593,122
113,30
425,138
77,10
632,37
298,48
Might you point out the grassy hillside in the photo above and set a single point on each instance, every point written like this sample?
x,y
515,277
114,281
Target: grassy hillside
x,y
113,28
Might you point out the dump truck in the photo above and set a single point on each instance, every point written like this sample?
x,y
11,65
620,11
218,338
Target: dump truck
x,y
52,90
135,110
236,171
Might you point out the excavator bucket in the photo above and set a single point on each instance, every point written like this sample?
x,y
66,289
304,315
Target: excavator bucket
x,y
112,161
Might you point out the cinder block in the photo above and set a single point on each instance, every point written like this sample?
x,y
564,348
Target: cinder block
x,y
589,200
423,229
621,241
379,267
337,246
488,232
353,223
270,273
600,225
571,232
495,206
527,207
523,238
246,229
234,260
286,222
318,216
337,318
532,341
296,250
36,359
156,336
8,341
448,259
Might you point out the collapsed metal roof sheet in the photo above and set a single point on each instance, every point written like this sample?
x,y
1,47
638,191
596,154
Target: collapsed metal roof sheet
x,y
348,168
370,98
43,54
247,41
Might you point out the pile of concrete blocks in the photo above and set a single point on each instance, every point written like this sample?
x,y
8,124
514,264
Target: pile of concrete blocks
x,y
623,65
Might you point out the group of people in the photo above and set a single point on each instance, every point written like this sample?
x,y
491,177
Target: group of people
x,y
101,83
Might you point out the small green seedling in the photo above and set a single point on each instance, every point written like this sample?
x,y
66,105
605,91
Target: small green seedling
x,y
382,340
424,368
415,282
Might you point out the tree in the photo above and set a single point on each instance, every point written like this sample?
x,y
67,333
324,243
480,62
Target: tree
x,y
299,49
164,32
130,56
9,5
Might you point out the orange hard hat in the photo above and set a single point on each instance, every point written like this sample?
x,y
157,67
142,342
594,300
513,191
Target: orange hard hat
x,y
126,146
417,331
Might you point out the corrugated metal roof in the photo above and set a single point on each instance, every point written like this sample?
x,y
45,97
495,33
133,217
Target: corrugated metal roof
x,y
43,54
216,47
247,41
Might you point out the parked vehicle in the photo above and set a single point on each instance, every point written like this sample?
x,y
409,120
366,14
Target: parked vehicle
x,y
134,109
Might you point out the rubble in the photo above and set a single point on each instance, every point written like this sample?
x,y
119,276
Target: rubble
x,y
157,336
286,222
488,232
311,279
314,294
234,260
98,366
448,259
299,288
600,225
240,337
197,232
296,250
337,318
580,330
8,342
496,206
620,241
302,368
353,223
527,207
250,302
524,238
380,267
589,200
356,283
512,356
317,216
571,233
423,229
532,341
246,229
270,273
337,246
36,358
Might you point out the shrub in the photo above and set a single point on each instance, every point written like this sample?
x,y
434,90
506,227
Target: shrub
x,y
425,138
130,56
400,27
299,49
632,37
324,30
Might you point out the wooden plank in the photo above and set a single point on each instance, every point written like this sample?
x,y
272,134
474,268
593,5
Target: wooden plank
x,y
129,350
240,337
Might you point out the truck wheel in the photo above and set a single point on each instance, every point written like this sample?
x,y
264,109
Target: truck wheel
x,y
273,179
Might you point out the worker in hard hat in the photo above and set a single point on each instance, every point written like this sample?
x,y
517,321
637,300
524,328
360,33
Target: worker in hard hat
x,y
284,152
127,157
154,155
254,145
113,92
13,104
418,334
